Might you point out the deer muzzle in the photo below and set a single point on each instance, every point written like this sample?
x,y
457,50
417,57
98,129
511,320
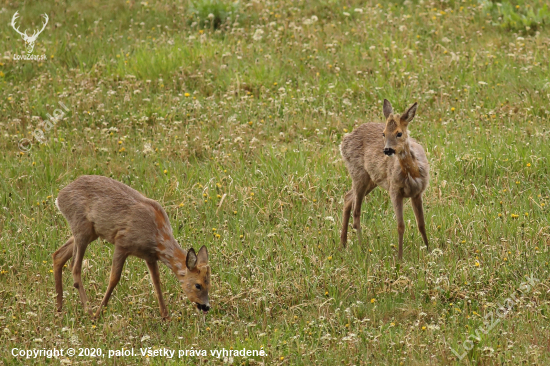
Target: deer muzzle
x,y
389,151
203,307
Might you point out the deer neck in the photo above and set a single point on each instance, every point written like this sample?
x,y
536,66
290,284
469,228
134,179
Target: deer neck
x,y
408,161
173,256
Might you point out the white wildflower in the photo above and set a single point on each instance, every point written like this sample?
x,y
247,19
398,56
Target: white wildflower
x,y
147,149
436,252
258,35
350,337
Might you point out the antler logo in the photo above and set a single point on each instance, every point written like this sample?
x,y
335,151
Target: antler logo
x,y
29,40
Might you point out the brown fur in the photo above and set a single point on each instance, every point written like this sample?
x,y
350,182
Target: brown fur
x,y
405,174
97,206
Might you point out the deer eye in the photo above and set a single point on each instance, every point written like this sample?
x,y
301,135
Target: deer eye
x,y
399,134
198,286
383,135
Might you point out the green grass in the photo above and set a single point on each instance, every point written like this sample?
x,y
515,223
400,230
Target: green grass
x,y
186,112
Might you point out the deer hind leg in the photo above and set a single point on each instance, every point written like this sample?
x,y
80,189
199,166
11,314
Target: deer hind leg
x,y
361,189
155,277
60,257
419,214
119,258
348,204
83,235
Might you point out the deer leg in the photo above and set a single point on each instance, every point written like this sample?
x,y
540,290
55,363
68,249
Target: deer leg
x,y
119,258
360,191
419,214
155,277
397,201
348,203
79,248
60,257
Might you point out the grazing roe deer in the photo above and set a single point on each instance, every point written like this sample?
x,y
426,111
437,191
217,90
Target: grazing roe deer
x,y
97,206
378,154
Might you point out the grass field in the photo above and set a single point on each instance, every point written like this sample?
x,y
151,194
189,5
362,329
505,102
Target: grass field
x,y
252,103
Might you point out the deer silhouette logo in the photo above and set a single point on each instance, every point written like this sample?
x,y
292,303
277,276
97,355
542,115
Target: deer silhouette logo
x,y
29,40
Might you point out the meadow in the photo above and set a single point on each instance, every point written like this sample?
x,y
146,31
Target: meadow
x,y
230,114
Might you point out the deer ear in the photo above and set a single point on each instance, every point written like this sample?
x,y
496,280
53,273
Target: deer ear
x,y
409,114
202,255
387,108
191,260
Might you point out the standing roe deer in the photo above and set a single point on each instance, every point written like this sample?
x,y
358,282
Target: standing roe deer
x,y
368,153
97,206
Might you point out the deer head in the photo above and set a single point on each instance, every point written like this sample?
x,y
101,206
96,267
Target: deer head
x,y
395,134
29,40
196,280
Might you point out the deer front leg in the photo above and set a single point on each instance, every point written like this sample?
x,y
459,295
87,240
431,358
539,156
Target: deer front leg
x,y
119,258
397,201
419,214
155,277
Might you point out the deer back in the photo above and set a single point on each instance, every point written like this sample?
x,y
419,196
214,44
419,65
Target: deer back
x,y
362,150
114,210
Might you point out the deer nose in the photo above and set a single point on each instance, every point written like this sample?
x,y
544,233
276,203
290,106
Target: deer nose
x,y
389,151
203,307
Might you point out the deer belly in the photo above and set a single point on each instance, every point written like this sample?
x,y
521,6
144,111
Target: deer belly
x,y
383,184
